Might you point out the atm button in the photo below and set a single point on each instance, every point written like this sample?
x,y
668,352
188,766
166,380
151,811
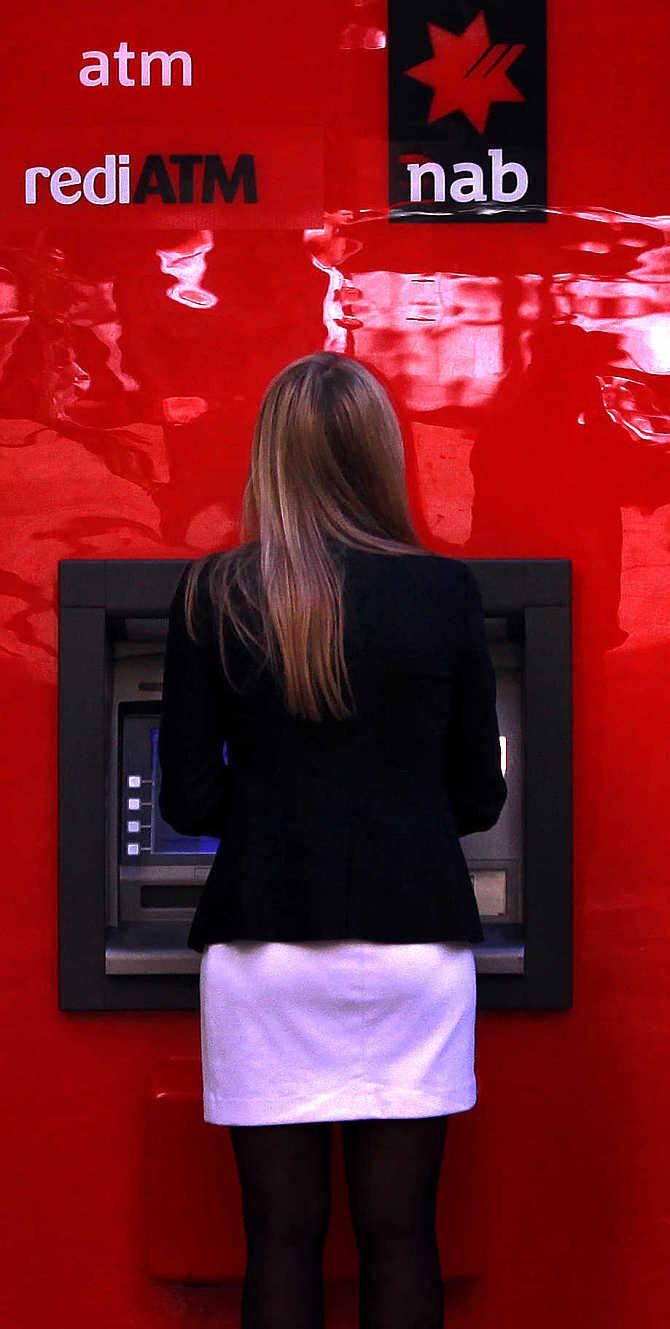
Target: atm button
x,y
132,847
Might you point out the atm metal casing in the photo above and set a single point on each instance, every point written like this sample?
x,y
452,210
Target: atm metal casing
x,y
128,884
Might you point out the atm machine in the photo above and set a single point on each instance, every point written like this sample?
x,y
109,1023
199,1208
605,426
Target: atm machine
x,y
129,883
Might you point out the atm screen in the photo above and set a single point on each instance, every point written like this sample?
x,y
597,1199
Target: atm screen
x,y
144,836
165,840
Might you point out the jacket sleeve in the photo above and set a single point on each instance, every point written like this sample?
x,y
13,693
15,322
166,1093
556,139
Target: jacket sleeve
x,y
473,771
195,781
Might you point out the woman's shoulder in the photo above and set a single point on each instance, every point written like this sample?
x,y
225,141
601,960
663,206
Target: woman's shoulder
x,y
417,562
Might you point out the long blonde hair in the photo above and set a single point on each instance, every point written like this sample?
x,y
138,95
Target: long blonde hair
x,y
327,463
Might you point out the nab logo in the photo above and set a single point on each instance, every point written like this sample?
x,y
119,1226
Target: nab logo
x,y
468,73
487,101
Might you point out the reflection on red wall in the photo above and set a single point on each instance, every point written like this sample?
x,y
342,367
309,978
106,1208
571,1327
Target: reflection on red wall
x,y
531,369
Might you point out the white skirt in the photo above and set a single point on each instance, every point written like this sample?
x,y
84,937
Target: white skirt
x,y
335,1030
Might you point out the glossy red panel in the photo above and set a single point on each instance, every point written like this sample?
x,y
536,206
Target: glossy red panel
x,y
530,365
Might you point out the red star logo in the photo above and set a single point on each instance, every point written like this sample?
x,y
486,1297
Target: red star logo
x,y
468,73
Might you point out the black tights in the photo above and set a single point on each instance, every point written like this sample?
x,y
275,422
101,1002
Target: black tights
x,y
392,1170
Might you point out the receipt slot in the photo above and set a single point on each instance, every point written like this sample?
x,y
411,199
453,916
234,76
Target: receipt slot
x,y
129,883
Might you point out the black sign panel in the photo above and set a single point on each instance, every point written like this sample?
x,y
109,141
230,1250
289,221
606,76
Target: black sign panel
x,y
467,110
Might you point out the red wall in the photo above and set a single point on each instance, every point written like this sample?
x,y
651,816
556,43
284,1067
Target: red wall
x,y
536,408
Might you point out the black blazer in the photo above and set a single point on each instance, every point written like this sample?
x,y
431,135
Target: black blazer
x,y
341,828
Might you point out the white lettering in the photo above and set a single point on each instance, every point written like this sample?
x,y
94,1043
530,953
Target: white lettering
x,y
124,177
96,73
468,190
109,175
416,174
59,182
123,55
166,67
500,169
30,183
68,177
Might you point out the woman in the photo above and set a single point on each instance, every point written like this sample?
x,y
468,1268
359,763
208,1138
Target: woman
x,y
329,713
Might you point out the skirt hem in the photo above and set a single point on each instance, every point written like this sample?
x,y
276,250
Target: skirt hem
x,y
353,1106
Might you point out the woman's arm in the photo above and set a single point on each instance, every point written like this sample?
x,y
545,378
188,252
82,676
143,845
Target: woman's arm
x,y
473,771
195,782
